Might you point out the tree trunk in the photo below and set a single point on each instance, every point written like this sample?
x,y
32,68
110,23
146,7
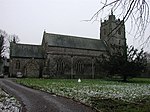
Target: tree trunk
x,y
124,78
40,72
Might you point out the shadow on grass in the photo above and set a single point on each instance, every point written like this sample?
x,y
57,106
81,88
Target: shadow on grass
x,y
131,80
140,80
110,105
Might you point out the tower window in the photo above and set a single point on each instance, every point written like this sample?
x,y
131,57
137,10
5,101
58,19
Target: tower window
x,y
104,31
119,31
119,42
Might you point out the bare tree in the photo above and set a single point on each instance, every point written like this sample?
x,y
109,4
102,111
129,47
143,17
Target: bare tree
x,y
137,11
148,65
5,41
13,38
3,36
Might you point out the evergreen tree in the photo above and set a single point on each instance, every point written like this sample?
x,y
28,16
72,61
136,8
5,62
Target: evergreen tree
x,y
131,64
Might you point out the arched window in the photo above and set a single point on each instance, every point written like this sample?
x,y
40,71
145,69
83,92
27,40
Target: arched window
x,y
17,64
79,67
60,66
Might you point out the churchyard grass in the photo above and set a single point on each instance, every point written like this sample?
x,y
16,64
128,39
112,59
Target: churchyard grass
x,y
107,96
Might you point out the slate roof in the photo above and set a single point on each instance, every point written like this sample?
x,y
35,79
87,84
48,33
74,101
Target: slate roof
x,y
73,42
26,51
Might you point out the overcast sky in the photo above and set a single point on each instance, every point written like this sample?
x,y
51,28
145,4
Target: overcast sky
x,y
29,18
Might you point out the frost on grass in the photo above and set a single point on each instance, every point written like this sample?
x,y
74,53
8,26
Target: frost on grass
x,y
8,103
126,92
84,91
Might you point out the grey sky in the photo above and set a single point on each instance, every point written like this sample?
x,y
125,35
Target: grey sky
x,y
29,18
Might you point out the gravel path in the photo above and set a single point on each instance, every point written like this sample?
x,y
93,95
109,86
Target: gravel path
x,y
37,101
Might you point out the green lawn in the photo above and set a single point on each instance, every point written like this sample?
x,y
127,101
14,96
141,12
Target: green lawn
x,y
107,96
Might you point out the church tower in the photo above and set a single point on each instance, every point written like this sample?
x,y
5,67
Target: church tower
x,y
112,32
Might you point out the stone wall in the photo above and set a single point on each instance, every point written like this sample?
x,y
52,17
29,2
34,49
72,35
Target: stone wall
x,y
71,63
59,62
29,67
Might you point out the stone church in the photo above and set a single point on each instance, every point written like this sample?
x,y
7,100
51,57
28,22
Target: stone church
x,y
64,56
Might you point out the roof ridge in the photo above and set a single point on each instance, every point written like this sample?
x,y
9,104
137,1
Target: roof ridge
x,y
26,44
73,36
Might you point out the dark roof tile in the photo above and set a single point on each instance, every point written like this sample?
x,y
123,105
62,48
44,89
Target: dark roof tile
x,y
73,42
26,51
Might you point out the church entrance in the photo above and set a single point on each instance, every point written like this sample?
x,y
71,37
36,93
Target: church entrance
x,y
32,69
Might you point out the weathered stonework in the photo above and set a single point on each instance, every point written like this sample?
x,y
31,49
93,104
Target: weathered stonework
x,y
29,67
